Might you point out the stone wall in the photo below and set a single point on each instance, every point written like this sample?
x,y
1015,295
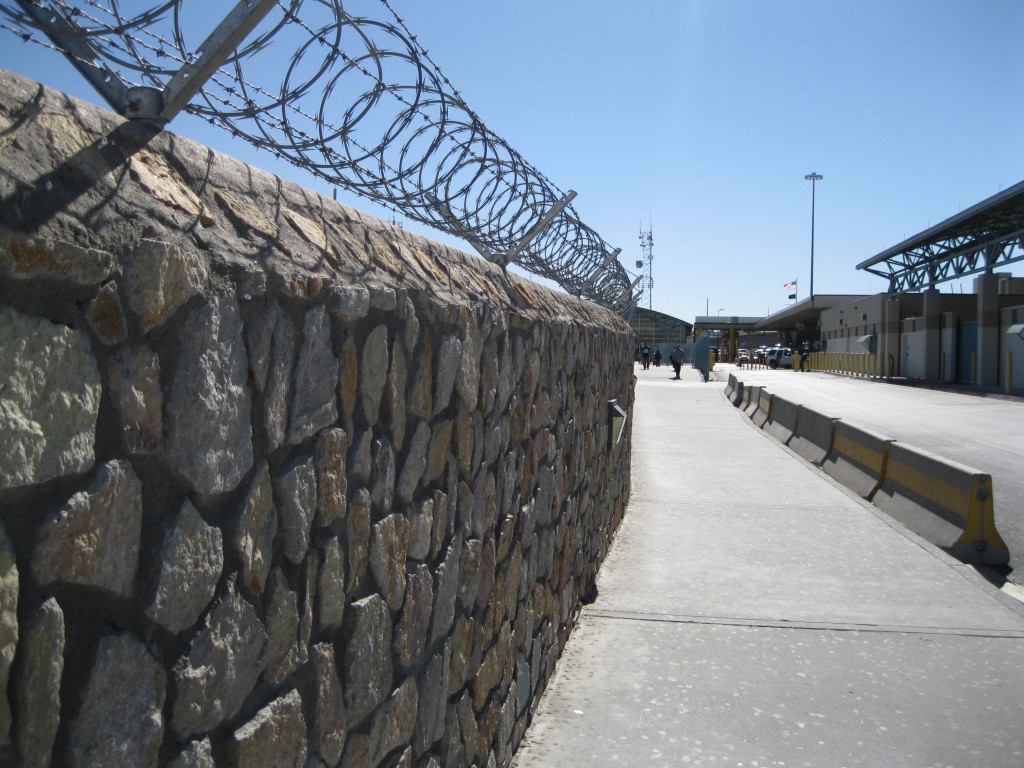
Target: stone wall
x,y
280,484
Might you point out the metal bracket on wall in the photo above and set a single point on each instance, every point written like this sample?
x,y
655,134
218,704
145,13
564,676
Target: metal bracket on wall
x,y
148,102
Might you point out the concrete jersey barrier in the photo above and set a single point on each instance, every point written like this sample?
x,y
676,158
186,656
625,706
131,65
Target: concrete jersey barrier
x,y
734,390
781,422
949,504
857,458
750,396
763,411
812,437
737,396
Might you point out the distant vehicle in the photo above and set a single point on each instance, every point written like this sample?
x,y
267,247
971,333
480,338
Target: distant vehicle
x,y
780,357
743,356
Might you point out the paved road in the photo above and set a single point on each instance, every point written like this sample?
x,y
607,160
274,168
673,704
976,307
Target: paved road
x,y
983,432
782,622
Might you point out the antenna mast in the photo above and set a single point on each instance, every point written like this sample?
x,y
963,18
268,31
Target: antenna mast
x,y
647,257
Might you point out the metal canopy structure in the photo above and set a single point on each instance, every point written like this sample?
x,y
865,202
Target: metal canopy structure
x,y
983,237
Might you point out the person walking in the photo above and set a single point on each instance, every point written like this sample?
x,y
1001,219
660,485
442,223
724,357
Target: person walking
x,y
676,358
657,358
645,355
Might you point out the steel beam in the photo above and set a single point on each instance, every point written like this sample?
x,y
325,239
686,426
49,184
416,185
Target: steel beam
x,y
589,282
70,39
629,290
537,228
630,305
228,35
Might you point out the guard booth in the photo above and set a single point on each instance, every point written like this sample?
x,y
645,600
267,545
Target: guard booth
x,y
702,355
727,329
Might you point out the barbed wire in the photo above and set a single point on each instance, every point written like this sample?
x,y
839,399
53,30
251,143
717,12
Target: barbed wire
x,y
361,105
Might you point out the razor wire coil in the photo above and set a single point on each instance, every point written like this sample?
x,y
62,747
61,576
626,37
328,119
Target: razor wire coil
x,y
364,107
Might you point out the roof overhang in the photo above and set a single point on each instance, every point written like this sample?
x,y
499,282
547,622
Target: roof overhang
x,y
725,322
803,312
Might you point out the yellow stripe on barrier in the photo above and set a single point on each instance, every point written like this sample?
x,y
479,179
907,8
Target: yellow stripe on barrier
x,y
863,455
944,495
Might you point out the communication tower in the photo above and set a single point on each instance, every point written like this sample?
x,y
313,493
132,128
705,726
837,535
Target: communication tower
x,y
645,261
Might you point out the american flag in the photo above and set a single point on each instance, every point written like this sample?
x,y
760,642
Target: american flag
x,y
789,286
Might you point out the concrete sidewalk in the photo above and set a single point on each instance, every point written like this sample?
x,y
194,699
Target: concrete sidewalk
x,y
754,613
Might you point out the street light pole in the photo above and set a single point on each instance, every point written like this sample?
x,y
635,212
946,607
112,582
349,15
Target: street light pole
x,y
813,178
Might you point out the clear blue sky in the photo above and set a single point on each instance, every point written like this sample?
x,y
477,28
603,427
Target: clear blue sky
x,y
702,117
